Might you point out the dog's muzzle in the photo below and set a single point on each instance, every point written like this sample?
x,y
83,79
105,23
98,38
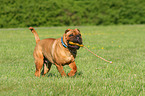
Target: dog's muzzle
x,y
78,40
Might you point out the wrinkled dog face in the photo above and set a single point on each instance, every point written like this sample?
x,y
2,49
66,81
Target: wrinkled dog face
x,y
74,36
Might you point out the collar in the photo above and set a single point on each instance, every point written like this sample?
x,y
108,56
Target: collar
x,y
63,43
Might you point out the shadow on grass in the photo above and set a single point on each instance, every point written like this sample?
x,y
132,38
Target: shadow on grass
x,y
78,74
52,75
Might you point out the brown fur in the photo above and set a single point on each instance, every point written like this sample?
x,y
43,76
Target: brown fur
x,y
51,51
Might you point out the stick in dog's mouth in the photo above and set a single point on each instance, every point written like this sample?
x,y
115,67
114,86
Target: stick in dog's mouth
x,y
72,43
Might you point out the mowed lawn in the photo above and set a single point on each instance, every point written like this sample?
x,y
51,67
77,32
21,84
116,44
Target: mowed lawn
x,y
124,45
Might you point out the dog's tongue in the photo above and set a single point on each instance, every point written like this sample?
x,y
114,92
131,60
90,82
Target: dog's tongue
x,y
74,47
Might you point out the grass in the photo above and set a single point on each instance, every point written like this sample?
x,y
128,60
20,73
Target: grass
x,y
124,45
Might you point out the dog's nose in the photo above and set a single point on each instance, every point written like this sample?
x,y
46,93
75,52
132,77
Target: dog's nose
x,y
78,38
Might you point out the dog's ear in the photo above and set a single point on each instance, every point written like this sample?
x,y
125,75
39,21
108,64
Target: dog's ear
x,y
77,29
67,30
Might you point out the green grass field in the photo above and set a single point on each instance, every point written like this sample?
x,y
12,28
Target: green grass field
x,y
124,45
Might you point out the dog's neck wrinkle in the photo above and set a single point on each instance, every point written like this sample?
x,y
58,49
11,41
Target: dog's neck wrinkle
x,y
60,44
72,51
64,40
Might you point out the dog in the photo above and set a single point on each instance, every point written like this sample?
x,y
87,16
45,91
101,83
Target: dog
x,y
56,51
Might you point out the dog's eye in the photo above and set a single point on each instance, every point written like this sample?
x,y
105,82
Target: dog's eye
x,y
71,35
79,34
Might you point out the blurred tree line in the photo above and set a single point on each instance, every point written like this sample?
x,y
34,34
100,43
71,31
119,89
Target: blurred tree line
x,y
25,13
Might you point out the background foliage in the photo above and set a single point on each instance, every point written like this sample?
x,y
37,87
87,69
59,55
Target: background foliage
x,y
20,13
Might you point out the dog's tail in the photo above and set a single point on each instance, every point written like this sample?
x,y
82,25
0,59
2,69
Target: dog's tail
x,y
35,34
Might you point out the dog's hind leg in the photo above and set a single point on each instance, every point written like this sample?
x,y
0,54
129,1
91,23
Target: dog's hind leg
x,y
74,69
38,56
46,68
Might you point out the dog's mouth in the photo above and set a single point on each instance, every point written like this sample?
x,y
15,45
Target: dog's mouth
x,y
75,42
73,46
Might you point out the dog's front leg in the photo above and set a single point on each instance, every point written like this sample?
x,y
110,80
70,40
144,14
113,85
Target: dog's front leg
x,y
60,70
74,69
